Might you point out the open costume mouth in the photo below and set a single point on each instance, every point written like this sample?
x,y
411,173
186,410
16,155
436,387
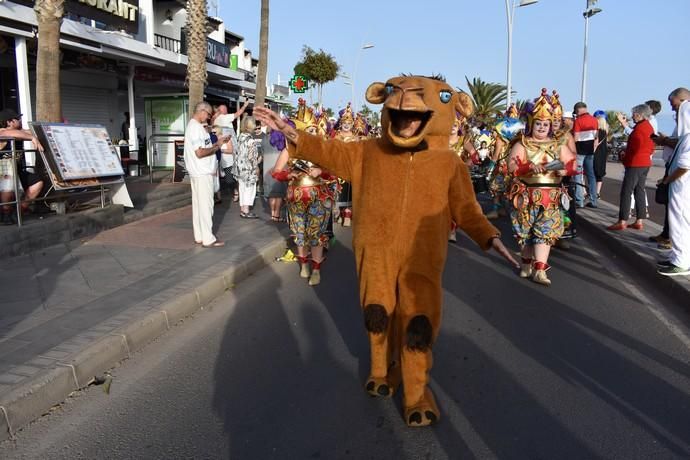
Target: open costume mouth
x,y
402,123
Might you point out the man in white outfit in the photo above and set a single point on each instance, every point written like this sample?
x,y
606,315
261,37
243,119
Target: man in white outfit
x,y
201,164
678,180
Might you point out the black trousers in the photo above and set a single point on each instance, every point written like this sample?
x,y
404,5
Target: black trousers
x,y
634,180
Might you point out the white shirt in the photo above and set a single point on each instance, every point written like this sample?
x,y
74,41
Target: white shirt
x,y
195,136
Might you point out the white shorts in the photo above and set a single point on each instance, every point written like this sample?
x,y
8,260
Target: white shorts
x,y
6,183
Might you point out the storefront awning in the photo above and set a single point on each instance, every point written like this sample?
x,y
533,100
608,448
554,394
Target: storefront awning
x,y
241,84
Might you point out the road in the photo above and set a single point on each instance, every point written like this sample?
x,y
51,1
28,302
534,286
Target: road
x,y
589,368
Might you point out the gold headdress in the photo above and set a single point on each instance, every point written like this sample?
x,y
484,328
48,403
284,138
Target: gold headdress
x,y
542,109
557,107
346,115
360,127
305,117
512,111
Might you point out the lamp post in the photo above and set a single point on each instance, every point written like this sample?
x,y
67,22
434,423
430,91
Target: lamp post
x,y
354,74
510,14
589,12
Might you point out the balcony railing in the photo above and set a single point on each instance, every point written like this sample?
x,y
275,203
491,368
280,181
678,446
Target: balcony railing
x,y
167,43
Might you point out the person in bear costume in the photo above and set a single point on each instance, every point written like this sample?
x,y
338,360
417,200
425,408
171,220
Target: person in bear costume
x,y
408,186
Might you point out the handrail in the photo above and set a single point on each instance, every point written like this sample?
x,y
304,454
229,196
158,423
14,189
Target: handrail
x,y
149,151
14,155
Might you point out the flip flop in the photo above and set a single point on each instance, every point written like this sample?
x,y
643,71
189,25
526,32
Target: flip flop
x,y
215,244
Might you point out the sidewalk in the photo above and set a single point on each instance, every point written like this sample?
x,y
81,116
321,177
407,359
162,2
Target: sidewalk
x,y
72,311
634,247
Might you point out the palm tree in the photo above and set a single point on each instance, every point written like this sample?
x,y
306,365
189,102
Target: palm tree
x,y
263,56
489,98
49,17
196,51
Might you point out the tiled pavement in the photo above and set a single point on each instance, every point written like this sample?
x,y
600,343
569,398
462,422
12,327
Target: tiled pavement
x,y
56,301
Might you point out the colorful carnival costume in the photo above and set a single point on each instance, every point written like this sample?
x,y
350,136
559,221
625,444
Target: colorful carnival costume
x,y
538,162
344,131
310,199
407,187
564,138
505,133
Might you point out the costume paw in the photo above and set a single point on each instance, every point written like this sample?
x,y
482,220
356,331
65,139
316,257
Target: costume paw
x,y
424,413
379,388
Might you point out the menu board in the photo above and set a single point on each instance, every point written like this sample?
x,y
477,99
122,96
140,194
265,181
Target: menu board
x,y
80,151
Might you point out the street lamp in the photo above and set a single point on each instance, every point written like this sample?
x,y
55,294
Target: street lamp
x,y
588,13
354,74
510,14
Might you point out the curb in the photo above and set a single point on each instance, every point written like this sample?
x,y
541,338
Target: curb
x,y
37,396
636,253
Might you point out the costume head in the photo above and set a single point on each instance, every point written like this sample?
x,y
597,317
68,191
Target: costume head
x,y
426,102
557,121
347,120
456,128
540,110
512,111
307,120
361,127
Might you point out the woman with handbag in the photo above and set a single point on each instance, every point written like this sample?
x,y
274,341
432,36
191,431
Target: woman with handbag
x,y
637,160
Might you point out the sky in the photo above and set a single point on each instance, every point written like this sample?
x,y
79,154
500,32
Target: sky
x,y
637,48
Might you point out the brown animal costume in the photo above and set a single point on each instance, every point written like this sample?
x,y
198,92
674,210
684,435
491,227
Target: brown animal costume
x,y
406,192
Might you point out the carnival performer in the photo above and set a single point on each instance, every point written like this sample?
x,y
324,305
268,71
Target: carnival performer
x,y
538,163
505,132
562,133
361,126
310,197
462,145
344,131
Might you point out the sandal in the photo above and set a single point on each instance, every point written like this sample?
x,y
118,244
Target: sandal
x,y
248,215
215,244
277,219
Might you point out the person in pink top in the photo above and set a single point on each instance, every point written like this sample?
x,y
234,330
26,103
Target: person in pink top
x,y
637,161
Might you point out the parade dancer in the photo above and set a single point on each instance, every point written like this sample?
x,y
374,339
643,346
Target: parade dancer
x,y
310,198
562,133
538,163
505,132
344,131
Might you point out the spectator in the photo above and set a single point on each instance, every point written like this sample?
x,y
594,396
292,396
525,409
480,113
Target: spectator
x,y
201,163
602,152
31,182
679,190
228,118
585,131
655,106
246,167
637,161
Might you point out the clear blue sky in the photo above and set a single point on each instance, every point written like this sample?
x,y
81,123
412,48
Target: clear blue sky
x,y
638,49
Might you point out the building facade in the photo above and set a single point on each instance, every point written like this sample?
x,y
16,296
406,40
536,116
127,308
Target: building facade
x,y
118,57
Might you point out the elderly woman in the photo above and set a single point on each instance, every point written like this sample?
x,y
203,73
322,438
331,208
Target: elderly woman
x,y
637,161
246,167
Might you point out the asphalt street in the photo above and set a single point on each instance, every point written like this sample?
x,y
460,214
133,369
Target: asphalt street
x,y
595,366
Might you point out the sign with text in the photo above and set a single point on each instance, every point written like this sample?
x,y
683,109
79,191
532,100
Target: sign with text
x,y
118,14
216,52
80,151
